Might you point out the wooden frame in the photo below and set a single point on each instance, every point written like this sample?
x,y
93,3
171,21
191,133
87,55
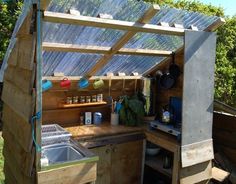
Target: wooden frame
x,y
75,78
110,23
210,28
123,40
59,47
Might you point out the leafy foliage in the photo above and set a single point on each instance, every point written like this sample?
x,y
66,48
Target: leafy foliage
x,y
225,79
9,12
132,110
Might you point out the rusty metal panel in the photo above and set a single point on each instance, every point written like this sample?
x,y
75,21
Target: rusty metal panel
x,y
198,94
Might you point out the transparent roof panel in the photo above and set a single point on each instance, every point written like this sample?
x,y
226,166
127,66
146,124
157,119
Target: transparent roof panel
x,y
126,10
129,64
71,64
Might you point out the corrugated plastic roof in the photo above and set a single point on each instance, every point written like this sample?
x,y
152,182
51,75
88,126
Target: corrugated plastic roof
x,y
77,64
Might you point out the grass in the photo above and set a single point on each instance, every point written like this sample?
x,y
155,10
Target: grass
x,y
1,162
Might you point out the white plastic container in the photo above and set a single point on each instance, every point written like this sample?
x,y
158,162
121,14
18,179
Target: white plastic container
x,y
114,119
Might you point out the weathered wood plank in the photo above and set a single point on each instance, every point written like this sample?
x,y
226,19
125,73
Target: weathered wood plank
x,y
25,26
9,177
197,153
26,51
18,127
76,174
16,99
12,60
196,173
23,159
219,174
22,78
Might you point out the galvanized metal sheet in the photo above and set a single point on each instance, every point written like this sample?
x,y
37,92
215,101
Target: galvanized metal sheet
x,y
198,91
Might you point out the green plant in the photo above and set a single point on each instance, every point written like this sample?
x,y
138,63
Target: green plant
x,y
132,110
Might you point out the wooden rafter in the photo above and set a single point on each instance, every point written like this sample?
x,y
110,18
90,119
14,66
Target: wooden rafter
x,y
122,41
219,22
102,50
110,23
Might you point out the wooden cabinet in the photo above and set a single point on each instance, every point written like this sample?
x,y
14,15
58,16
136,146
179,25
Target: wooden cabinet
x,y
104,164
120,163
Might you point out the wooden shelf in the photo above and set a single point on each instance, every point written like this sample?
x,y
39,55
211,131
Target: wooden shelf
x,y
82,104
156,163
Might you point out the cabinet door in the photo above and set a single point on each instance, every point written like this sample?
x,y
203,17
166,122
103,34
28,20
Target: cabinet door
x,y
127,163
103,165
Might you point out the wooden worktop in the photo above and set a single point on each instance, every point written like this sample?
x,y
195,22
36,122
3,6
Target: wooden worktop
x,y
106,129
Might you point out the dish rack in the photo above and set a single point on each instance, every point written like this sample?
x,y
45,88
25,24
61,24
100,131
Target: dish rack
x,y
53,133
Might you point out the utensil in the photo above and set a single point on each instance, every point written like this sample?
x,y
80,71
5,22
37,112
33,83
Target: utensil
x,y
174,69
166,80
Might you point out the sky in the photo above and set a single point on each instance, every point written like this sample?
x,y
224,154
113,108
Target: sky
x,y
228,5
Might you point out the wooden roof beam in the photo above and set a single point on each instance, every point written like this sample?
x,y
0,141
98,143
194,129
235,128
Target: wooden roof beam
x,y
123,40
140,26
58,47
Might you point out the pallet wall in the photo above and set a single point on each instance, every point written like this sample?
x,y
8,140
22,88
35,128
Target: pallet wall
x,y
18,96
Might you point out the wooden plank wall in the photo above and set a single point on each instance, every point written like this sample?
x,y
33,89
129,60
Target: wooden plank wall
x,y
163,95
18,96
52,113
224,135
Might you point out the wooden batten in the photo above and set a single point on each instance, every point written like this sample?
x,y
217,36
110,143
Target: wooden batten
x,y
110,23
17,99
75,174
18,127
58,47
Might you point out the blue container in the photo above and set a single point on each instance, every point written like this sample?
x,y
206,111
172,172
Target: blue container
x,y
46,85
97,118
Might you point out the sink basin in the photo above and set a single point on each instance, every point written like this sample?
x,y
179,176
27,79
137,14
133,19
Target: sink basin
x,y
60,153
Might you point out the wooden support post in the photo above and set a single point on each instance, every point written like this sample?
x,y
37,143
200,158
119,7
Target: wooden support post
x,y
38,85
123,40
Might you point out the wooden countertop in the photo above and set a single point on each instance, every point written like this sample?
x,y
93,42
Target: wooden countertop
x,y
168,142
105,129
